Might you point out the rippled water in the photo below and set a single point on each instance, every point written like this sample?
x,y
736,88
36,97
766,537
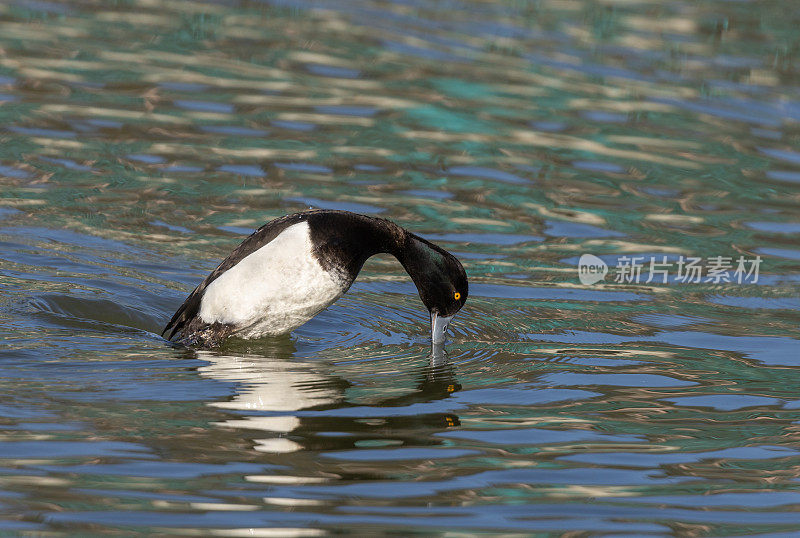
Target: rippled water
x,y
140,140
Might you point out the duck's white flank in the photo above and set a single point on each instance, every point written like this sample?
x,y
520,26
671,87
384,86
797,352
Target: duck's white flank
x,y
273,290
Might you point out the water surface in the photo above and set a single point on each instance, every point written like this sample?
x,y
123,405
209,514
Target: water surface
x,y
140,142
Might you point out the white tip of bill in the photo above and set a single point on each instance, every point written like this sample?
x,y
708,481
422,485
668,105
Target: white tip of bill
x,y
438,327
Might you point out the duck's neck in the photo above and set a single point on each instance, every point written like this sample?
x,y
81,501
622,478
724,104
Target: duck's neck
x,y
421,260
344,241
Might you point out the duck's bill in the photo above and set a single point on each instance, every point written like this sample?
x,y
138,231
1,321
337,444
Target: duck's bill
x,y
438,327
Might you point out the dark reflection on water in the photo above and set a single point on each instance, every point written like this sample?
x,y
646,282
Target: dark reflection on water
x,y
139,141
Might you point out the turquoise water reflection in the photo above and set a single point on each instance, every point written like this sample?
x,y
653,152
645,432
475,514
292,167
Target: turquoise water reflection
x,y
141,140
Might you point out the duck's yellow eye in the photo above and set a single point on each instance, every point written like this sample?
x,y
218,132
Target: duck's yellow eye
x,y
456,296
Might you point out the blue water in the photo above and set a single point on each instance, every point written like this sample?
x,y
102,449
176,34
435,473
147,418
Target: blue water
x,y
142,141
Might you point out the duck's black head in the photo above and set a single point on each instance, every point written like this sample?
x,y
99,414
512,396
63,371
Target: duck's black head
x,y
443,287
440,280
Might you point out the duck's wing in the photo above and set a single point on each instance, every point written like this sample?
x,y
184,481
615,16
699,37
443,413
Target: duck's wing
x,y
191,306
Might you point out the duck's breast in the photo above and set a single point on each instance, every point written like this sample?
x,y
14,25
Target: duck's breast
x,y
274,289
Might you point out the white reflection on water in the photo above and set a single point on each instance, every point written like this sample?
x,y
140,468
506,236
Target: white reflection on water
x,y
275,389
269,384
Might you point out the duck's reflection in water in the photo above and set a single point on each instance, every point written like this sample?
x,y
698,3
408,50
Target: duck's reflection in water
x,y
302,404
